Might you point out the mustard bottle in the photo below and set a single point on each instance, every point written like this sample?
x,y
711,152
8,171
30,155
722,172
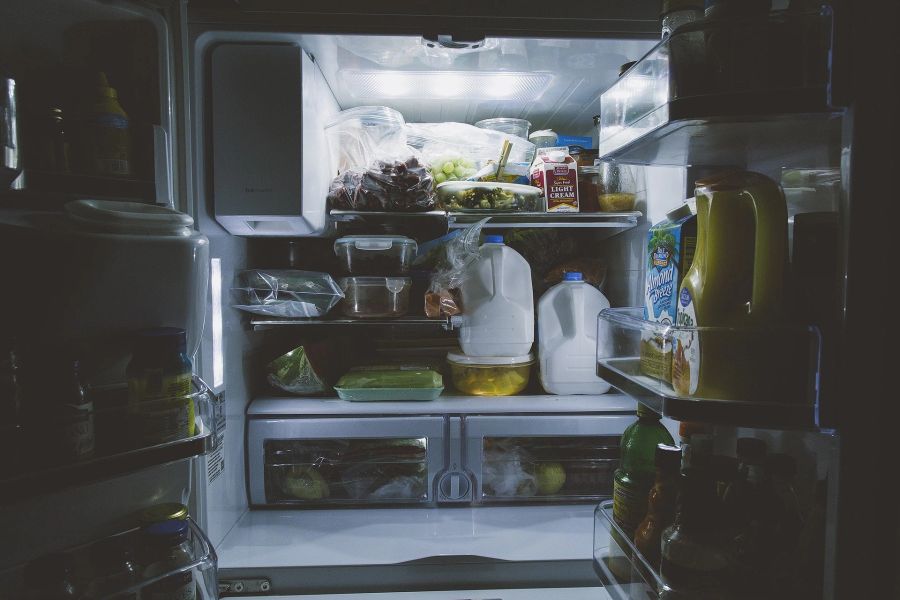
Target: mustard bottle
x,y
109,139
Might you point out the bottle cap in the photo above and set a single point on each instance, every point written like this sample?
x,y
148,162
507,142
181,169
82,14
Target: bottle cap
x,y
751,450
573,276
163,512
493,239
645,411
667,457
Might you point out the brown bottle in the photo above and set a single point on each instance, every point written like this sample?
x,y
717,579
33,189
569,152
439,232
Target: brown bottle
x,y
661,503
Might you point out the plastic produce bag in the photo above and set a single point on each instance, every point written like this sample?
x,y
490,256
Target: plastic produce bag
x,y
359,136
450,256
286,293
507,471
311,368
398,186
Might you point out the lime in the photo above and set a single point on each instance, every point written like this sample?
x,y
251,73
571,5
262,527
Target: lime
x,y
550,478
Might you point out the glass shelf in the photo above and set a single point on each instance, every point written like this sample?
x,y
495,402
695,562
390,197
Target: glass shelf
x,y
766,377
725,91
393,221
202,569
34,470
409,321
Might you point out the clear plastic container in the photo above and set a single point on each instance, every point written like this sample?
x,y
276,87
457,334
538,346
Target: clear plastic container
x,y
375,254
401,382
619,186
483,196
358,136
375,297
286,293
490,375
517,127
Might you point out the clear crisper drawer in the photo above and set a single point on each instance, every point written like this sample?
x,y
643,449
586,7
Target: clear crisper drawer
x,y
543,458
721,67
762,376
314,462
121,566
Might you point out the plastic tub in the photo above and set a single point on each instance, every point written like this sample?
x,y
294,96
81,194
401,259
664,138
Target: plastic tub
x,y
517,127
375,297
358,136
490,375
494,196
390,384
375,254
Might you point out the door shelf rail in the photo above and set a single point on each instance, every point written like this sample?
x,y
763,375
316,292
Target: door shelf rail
x,y
771,374
408,321
37,471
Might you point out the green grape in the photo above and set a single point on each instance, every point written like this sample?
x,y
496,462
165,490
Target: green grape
x,y
467,163
448,167
452,178
460,171
439,177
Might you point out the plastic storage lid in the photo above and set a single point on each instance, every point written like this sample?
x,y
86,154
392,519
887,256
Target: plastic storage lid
x,y
394,284
371,115
573,276
375,242
455,187
490,361
541,133
503,123
110,216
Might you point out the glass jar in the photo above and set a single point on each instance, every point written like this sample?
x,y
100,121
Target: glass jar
x,y
159,387
167,547
588,188
619,186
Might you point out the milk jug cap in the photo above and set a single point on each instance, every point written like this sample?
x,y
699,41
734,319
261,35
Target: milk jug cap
x,y
573,276
493,239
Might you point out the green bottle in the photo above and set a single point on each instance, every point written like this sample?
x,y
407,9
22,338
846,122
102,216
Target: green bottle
x,y
637,468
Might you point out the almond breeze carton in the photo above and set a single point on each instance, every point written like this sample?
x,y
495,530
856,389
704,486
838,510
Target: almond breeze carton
x,y
556,172
670,251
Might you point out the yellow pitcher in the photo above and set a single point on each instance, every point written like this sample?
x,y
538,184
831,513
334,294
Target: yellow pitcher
x,y
736,285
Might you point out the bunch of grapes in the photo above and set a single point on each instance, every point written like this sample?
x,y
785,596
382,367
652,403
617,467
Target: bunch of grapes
x,y
452,169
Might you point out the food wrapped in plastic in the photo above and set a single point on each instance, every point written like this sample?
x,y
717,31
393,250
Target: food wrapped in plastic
x,y
287,293
378,468
508,471
398,186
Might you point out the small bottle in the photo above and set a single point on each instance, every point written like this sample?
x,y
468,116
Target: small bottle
x,y
108,135
114,569
54,145
695,562
660,503
696,444
167,547
634,477
159,387
676,13
50,578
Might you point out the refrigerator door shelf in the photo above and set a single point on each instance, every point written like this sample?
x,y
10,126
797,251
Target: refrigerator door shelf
x,y
579,593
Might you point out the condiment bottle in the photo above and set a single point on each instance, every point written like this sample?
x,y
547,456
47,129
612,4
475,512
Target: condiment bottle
x,y
635,475
660,503
167,547
108,135
159,387
696,444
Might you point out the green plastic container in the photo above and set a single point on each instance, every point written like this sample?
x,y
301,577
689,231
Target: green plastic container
x,y
390,385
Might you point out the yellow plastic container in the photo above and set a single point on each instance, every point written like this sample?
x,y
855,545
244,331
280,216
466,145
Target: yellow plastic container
x,y
490,375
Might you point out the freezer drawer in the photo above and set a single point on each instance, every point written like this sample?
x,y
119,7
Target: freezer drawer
x,y
344,461
543,458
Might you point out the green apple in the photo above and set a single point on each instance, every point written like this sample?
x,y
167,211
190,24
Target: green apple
x,y
550,478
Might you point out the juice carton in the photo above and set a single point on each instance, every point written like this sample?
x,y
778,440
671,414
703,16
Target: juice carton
x,y
556,172
670,250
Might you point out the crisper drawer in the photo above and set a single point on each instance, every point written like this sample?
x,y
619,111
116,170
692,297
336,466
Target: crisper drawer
x,y
543,458
339,461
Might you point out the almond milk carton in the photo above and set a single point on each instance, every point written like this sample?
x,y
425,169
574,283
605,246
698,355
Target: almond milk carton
x,y
556,172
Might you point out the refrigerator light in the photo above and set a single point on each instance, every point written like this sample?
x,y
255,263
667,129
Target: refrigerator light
x,y
215,276
521,87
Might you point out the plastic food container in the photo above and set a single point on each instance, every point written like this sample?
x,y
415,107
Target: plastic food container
x,y
379,384
375,297
517,127
357,136
375,254
490,196
490,375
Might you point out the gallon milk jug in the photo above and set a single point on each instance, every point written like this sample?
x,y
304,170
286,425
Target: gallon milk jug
x,y
498,306
567,337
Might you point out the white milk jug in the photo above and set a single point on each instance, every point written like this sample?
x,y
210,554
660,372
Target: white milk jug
x,y
567,337
498,306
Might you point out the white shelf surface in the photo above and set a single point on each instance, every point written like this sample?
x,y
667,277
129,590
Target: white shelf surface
x,y
269,406
321,538
581,593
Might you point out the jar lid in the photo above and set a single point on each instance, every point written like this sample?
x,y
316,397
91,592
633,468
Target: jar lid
x,y
374,242
510,361
393,284
589,170
172,531
163,512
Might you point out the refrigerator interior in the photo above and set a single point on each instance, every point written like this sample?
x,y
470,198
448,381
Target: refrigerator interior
x,y
425,85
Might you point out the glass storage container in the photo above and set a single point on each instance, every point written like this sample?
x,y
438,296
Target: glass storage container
x,y
486,197
375,297
518,127
490,375
619,185
375,254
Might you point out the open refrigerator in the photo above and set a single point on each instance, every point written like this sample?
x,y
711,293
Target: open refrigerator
x,y
229,102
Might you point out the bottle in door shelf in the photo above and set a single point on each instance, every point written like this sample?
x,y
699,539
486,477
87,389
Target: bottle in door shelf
x,y
634,477
167,547
670,252
159,387
660,503
107,141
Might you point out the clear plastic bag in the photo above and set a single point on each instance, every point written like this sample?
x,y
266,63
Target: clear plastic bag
x,y
286,293
359,136
508,472
450,257
396,186
293,372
